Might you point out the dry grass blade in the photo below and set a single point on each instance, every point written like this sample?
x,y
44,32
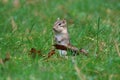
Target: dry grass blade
x,y
5,1
1,61
79,74
84,51
16,3
117,48
14,25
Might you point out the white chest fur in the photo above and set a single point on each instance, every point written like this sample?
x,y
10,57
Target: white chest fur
x,y
62,39
59,37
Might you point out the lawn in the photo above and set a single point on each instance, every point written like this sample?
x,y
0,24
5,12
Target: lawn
x,y
93,25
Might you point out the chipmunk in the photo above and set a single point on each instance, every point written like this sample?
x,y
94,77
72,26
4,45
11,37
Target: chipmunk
x,y
61,35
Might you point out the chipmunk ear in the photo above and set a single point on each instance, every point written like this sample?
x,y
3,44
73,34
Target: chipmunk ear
x,y
58,19
64,21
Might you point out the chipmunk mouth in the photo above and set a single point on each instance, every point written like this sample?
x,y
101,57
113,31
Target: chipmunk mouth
x,y
54,29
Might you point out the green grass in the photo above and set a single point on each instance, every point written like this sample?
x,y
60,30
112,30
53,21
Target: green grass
x,y
29,25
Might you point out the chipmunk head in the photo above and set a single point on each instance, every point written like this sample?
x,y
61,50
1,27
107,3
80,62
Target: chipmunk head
x,y
60,26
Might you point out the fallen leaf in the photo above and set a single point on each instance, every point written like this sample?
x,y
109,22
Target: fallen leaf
x,y
7,58
61,47
34,52
52,52
71,48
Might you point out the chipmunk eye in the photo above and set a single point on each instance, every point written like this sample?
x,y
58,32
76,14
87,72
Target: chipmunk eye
x,y
59,24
